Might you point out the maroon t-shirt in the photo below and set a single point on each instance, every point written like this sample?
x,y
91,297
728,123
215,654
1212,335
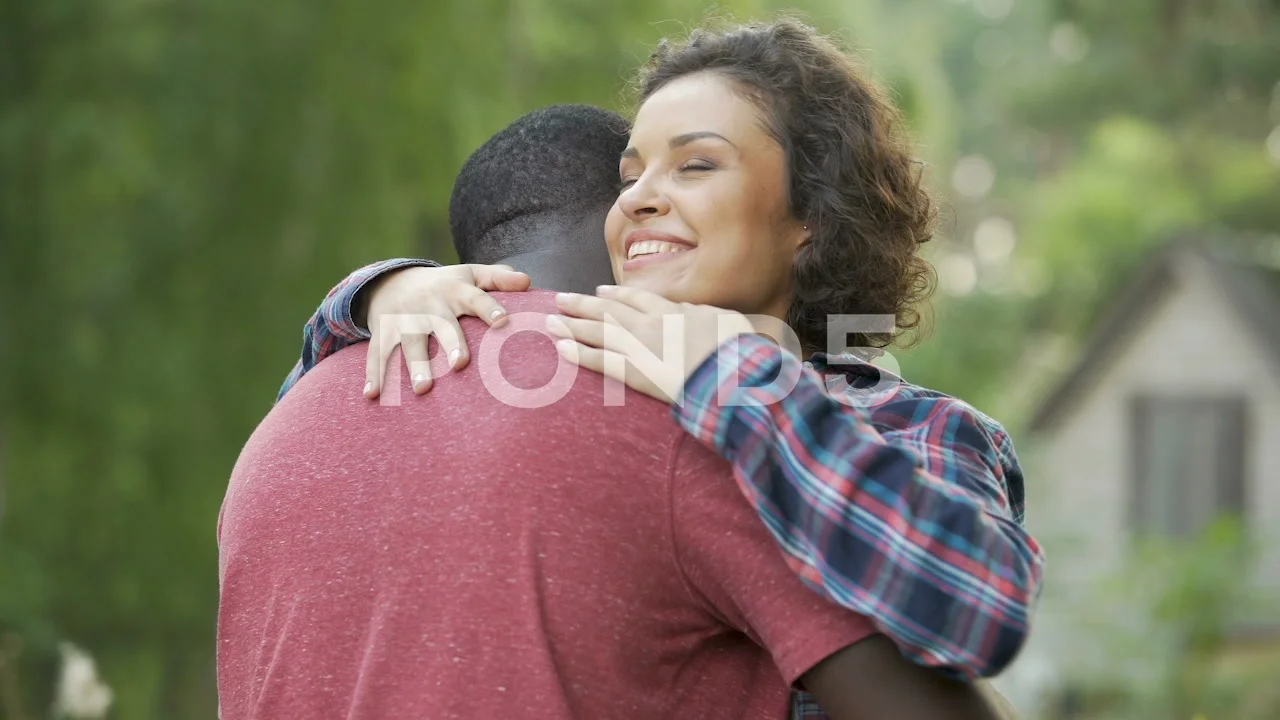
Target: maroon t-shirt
x,y
467,554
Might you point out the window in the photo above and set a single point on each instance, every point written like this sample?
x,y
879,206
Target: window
x,y
1188,462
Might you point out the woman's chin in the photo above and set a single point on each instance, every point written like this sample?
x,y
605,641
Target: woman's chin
x,y
656,285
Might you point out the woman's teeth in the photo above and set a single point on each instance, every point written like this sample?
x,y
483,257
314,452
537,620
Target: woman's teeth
x,y
653,247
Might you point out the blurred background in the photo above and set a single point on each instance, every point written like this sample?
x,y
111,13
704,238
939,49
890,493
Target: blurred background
x,y
181,182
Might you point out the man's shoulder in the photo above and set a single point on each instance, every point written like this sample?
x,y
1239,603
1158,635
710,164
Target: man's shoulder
x,y
541,302
514,375
514,369
524,334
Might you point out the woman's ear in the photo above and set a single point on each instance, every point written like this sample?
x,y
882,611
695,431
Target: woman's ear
x,y
802,237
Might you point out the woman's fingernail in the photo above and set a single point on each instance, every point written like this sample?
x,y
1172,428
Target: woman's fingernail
x,y
564,345
368,387
454,356
555,325
606,289
496,314
564,297
419,379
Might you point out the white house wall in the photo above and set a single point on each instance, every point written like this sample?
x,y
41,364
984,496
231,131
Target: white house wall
x,y
1078,479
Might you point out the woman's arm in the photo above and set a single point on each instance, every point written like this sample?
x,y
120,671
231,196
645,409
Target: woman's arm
x,y
333,326
907,511
422,297
912,527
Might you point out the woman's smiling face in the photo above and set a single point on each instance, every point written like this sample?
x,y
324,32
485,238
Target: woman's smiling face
x,y
704,216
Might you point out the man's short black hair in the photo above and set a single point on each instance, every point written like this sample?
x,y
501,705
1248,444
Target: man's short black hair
x,y
560,161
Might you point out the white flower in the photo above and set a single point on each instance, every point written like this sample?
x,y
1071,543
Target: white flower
x,y
81,694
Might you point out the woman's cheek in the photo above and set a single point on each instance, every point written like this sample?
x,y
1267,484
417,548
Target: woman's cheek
x,y
613,226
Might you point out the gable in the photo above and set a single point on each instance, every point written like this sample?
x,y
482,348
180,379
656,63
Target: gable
x,y
1192,340
1182,304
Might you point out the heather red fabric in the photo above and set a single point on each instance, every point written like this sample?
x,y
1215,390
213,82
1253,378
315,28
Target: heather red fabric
x,y
458,556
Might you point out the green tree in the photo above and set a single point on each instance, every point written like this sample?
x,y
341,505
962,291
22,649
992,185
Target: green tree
x,y
181,182
1111,127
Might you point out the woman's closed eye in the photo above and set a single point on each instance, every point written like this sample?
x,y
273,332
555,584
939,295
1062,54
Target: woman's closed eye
x,y
698,166
693,166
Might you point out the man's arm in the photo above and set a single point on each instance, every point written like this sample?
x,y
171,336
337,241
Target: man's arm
x,y
871,680
917,534
337,323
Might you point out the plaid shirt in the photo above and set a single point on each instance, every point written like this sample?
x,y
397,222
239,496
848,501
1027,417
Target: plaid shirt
x,y
900,503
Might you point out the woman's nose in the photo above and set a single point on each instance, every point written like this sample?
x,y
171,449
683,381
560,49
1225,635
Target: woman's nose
x,y
642,200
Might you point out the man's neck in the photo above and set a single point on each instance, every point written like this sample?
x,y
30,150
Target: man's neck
x,y
550,269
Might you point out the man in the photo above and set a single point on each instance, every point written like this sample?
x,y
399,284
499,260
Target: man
x,y
949,573
509,546
553,171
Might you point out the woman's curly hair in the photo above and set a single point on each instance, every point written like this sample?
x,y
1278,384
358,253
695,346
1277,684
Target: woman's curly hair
x,y
853,179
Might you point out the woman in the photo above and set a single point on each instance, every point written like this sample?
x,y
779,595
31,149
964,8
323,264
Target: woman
x,y
766,177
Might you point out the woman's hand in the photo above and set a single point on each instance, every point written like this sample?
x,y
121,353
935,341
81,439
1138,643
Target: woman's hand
x,y
407,306
617,331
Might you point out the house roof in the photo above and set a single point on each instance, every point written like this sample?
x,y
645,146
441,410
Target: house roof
x,y
1247,273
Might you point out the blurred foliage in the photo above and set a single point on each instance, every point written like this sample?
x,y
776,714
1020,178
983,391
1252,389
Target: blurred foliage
x,y
1112,126
1175,622
181,182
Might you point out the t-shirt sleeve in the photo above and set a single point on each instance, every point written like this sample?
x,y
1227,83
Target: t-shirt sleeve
x,y
731,562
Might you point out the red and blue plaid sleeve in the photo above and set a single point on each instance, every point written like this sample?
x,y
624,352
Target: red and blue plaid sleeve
x,y
910,525
332,328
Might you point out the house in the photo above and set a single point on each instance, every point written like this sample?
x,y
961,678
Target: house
x,y
1168,419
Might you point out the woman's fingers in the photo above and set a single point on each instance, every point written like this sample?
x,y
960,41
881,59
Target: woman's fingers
x,y
614,365
605,362
414,347
420,302
477,302
453,343
499,277
375,364
590,307
384,336
598,334
411,332
642,300
587,332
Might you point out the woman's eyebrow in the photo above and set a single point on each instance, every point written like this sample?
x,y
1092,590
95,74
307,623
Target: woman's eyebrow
x,y
681,141
685,139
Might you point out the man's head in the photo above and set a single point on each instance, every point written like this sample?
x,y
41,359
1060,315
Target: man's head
x,y
536,194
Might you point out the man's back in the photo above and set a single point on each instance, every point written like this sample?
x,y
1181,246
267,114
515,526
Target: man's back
x,y
460,555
